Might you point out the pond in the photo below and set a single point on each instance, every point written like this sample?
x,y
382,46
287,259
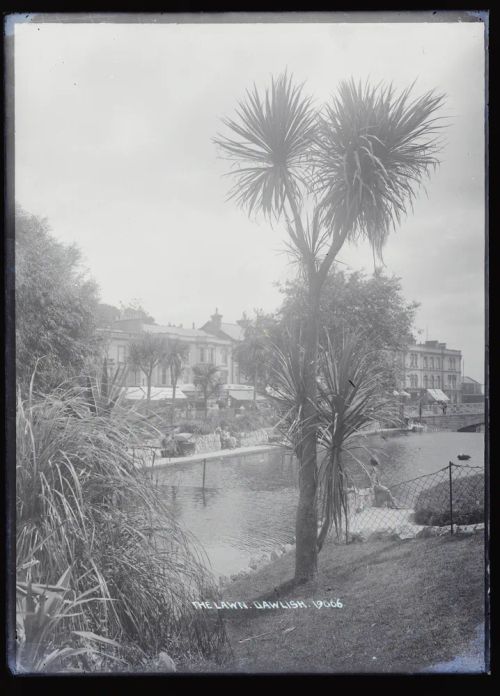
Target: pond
x,y
249,503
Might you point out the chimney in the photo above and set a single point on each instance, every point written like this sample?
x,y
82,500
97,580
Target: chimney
x,y
216,320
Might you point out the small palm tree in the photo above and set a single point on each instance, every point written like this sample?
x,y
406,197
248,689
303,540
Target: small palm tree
x,y
346,171
351,395
177,356
207,379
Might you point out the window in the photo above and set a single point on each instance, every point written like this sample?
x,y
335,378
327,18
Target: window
x,y
163,374
438,382
223,356
425,382
438,365
432,363
211,355
121,354
425,361
202,355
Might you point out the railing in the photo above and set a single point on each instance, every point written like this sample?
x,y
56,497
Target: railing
x,y
453,495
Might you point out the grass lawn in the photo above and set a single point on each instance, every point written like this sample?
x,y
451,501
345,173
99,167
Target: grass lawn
x,y
406,606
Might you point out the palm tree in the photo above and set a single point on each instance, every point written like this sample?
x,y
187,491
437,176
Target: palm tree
x,y
343,172
206,378
177,356
147,352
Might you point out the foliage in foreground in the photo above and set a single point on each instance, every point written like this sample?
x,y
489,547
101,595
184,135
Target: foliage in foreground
x,y
82,504
350,397
433,504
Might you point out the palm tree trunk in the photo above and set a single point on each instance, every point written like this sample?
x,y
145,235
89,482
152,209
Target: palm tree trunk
x,y
306,526
149,377
174,387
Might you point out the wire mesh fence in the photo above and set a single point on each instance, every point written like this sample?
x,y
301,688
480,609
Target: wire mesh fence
x,y
453,495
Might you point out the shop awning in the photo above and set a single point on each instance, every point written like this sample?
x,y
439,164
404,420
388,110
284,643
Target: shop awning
x,y
437,395
401,393
157,393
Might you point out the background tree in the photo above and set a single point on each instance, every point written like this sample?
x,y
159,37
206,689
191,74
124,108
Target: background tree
x,y
135,310
254,352
177,356
371,307
147,352
343,172
207,379
106,315
55,306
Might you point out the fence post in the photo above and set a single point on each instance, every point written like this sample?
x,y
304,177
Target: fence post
x,y
204,465
451,496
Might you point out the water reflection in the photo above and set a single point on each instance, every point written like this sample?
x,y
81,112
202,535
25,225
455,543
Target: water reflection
x,y
249,503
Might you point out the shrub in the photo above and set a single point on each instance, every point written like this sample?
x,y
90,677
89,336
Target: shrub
x,y
81,503
432,506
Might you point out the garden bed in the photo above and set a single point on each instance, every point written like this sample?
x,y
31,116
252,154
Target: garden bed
x,y
432,506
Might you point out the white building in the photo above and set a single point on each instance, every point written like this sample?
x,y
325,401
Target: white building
x,y
203,348
431,365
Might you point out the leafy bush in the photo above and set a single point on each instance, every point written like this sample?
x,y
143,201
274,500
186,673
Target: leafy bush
x,y
81,503
432,506
196,427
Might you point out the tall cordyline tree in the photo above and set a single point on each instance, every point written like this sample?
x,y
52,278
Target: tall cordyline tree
x,y
177,355
334,174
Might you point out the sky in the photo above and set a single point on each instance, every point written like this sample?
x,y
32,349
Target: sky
x,y
114,128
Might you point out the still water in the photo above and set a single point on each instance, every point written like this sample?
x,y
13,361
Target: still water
x,y
249,503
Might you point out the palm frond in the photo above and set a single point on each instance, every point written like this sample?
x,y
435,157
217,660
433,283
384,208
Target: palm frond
x,y
269,143
373,150
350,395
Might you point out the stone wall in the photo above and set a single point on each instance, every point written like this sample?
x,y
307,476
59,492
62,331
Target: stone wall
x,y
212,443
207,443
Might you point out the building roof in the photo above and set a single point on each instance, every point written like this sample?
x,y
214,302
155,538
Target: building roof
x,y
180,332
469,380
432,346
234,331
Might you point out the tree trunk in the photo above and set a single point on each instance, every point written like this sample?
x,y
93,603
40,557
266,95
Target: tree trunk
x,y
174,388
149,378
306,527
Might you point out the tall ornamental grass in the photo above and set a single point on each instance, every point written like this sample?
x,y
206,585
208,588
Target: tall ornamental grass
x,y
81,503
